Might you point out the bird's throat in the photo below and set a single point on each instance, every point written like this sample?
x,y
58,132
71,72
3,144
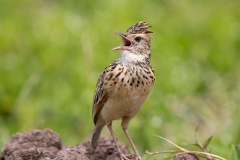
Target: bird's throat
x,y
128,57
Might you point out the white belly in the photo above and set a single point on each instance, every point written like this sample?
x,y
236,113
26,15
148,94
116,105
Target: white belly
x,y
124,102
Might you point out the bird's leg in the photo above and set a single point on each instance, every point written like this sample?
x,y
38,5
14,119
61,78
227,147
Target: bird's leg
x,y
122,156
125,122
137,156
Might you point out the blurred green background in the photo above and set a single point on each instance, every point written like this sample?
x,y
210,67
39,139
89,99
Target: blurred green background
x,y
52,52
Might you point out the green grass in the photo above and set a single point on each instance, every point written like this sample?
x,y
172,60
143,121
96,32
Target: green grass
x,y
52,52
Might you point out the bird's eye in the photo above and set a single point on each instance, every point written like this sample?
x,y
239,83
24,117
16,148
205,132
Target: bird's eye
x,y
138,39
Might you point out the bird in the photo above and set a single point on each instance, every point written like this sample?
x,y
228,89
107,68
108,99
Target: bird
x,y
124,85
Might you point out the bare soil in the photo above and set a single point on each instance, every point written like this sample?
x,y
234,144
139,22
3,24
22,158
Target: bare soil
x,y
46,145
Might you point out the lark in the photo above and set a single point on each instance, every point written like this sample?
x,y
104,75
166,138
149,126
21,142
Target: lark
x,y
124,85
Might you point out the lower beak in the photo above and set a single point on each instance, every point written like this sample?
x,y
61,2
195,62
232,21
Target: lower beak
x,y
126,42
120,48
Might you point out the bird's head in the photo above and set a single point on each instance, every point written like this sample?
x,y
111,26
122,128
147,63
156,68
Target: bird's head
x,y
136,39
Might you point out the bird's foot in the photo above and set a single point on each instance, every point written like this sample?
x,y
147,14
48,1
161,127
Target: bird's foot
x,y
128,156
131,157
122,156
137,157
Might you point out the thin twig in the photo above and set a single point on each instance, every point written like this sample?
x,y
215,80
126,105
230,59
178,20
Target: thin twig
x,y
171,151
207,154
182,149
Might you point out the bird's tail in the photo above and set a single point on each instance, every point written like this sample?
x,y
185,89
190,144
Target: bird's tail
x,y
95,136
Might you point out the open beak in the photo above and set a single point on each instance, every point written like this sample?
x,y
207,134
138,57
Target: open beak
x,y
126,42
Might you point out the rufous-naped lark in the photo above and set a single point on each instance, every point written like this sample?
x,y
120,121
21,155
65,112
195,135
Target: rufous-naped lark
x,y
124,85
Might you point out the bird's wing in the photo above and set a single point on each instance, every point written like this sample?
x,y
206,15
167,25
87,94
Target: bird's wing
x,y
102,92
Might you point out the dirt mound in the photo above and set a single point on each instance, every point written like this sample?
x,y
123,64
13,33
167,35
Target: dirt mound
x,y
46,145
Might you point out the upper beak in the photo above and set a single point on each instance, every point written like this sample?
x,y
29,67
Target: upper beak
x,y
126,42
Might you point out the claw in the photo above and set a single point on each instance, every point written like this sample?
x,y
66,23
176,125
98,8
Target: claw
x,y
123,157
137,157
129,157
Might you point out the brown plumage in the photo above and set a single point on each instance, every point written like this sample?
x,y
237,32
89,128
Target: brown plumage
x,y
139,27
124,85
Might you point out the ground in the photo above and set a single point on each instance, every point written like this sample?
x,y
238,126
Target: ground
x,y
46,145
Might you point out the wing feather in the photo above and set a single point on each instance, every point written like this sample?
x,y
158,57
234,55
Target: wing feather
x,y
102,92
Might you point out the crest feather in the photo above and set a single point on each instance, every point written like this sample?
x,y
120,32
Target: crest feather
x,y
139,27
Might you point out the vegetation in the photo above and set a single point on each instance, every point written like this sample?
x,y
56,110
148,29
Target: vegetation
x,y
52,52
